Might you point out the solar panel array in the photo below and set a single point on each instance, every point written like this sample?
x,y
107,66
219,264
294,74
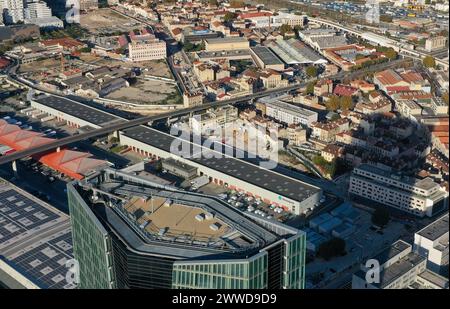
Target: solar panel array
x,y
35,239
46,264
19,214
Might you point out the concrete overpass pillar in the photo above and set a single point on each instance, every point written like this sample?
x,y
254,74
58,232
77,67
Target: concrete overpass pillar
x,y
117,135
14,168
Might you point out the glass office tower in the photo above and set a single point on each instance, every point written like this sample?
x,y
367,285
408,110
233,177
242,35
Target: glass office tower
x,y
126,234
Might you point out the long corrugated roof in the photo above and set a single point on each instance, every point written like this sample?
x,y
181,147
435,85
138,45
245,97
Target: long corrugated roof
x,y
73,163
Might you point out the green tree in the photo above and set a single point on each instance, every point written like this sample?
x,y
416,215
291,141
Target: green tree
x,y
310,88
331,248
311,71
345,103
335,117
429,62
229,17
285,28
333,103
319,160
85,50
390,53
213,2
445,97
330,168
380,217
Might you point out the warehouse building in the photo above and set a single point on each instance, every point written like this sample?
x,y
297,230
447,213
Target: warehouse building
x,y
129,232
228,43
293,51
179,169
271,187
266,59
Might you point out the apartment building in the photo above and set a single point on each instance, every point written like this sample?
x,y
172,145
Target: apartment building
x,y
12,11
331,152
323,86
292,20
326,132
383,147
145,47
213,119
432,243
380,107
37,9
296,135
435,43
86,5
192,99
408,108
288,113
272,79
420,197
399,268
204,72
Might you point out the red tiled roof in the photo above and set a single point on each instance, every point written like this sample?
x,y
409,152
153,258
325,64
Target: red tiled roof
x,y
177,31
397,88
388,77
255,15
4,62
412,76
343,90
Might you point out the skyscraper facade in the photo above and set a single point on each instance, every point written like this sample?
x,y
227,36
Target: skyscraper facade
x,y
131,233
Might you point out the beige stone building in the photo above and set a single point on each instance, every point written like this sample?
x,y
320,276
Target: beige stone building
x,y
272,79
296,135
228,43
145,47
327,132
190,100
435,43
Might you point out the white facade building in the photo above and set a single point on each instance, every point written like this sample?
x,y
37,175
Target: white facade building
x,y
289,113
432,243
86,5
399,268
37,9
420,197
288,19
51,22
146,47
12,11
